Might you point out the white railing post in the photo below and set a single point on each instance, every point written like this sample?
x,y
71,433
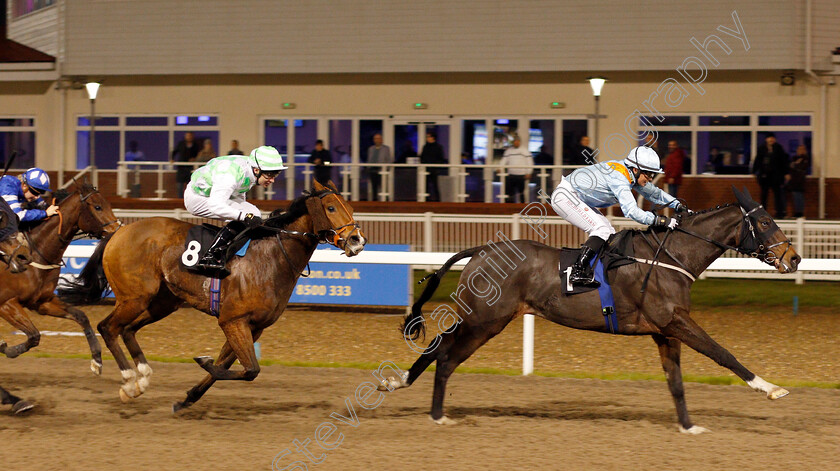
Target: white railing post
x,y
800,243
161,191
515,230
428,233
122,179
527,344
421,184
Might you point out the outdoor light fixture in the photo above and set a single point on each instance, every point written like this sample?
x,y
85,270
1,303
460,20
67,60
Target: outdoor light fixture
x,y
597,83
92,91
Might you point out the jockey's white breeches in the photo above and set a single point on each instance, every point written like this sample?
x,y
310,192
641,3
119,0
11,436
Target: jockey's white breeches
x,y
570,207
199,205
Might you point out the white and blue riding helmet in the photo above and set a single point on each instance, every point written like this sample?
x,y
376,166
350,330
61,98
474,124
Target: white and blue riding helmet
x,y
37,179
267,158
645,159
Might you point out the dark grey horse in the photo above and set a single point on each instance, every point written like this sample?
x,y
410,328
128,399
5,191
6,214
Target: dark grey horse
x,y
506,280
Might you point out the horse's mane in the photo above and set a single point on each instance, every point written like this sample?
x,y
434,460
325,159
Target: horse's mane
x,y
705,211
280,218
61,194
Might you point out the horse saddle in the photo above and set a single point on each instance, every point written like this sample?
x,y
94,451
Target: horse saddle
x,y
199,239
614,254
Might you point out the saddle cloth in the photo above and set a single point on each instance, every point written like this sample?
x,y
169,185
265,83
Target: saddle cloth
x,y
199,239
614,254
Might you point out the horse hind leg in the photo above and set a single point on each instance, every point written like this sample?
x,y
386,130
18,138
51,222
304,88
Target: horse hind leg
x,y
440,343
241,339
691,334
669,353
57,308
18,405
224,360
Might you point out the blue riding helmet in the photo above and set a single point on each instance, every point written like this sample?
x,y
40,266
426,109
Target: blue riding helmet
x,y
37,179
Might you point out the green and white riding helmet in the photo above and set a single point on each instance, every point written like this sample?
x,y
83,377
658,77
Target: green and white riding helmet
x,y
266,158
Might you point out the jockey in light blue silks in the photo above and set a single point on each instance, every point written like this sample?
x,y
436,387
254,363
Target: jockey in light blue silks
x,y
27,188
217,190
605,184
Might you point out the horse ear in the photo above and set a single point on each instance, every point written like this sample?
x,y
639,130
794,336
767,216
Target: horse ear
x,y
332,186
740,197
317,185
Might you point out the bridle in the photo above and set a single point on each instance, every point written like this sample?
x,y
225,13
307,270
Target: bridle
x,y
336,237
749,242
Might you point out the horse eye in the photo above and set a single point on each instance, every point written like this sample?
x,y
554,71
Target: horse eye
x,y
331,209
98,208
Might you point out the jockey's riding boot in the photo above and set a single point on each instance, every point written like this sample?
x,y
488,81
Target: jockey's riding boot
x,y
215,257
582,273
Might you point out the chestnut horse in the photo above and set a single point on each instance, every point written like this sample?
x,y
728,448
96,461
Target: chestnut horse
x,y
82,209
14,252
142,264
532,286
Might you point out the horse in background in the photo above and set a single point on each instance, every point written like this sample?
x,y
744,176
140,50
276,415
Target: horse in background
x,y
81,209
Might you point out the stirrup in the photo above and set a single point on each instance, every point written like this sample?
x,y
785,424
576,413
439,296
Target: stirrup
x,y
576,279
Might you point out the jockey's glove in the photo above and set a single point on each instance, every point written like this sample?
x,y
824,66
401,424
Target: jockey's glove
x,y
252,221
683,208
664,221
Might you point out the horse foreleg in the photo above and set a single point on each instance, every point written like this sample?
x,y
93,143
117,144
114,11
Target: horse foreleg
x,y
241,340
159,308
18,404
441,341
111,329
225,360
669,353
58,308
691,334
15,315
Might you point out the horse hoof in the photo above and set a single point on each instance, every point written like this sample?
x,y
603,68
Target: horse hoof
x,y
178,406
3,347
693,430
204,361
125,398
444,421
96,367
777,393
22,406
393,383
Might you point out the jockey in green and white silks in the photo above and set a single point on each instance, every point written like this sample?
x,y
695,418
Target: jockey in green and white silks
x,y
602,185
217,190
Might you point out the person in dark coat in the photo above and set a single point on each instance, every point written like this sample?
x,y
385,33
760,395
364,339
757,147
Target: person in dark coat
x,y
185,151
798,171
433,154
321,158
771,168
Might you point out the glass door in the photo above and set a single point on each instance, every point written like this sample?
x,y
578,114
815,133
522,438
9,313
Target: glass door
x,y
411,138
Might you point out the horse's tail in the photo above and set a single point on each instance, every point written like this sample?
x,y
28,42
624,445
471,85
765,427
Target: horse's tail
x,y
91,284
413,325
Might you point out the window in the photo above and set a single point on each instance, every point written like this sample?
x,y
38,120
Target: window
x,y
726,144
24,7
147,138
18,134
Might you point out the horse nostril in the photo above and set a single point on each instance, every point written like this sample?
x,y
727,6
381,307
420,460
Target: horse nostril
x,y
354,240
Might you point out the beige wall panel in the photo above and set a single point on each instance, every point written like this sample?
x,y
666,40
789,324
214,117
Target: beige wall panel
x,y
38,30
113,37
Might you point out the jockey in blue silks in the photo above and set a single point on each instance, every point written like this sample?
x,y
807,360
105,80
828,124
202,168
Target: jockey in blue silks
x,y
28,188
605,184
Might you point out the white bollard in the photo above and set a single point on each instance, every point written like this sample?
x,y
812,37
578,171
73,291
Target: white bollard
x,y
527,344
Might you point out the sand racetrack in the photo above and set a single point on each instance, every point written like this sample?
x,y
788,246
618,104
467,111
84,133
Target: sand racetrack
x,y
505,422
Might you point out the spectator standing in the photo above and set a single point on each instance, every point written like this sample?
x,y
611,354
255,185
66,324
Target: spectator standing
x,y
582,153
207,152
185,151
798,171
134,154
771,168
519,164
234,148
432,154
322,158
674,165
378,153
543,157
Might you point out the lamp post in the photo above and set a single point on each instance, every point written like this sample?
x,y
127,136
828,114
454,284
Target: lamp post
x,y
92,91
597,83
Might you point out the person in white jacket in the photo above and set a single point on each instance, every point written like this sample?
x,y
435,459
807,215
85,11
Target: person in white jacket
x,y
605,184
217,190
